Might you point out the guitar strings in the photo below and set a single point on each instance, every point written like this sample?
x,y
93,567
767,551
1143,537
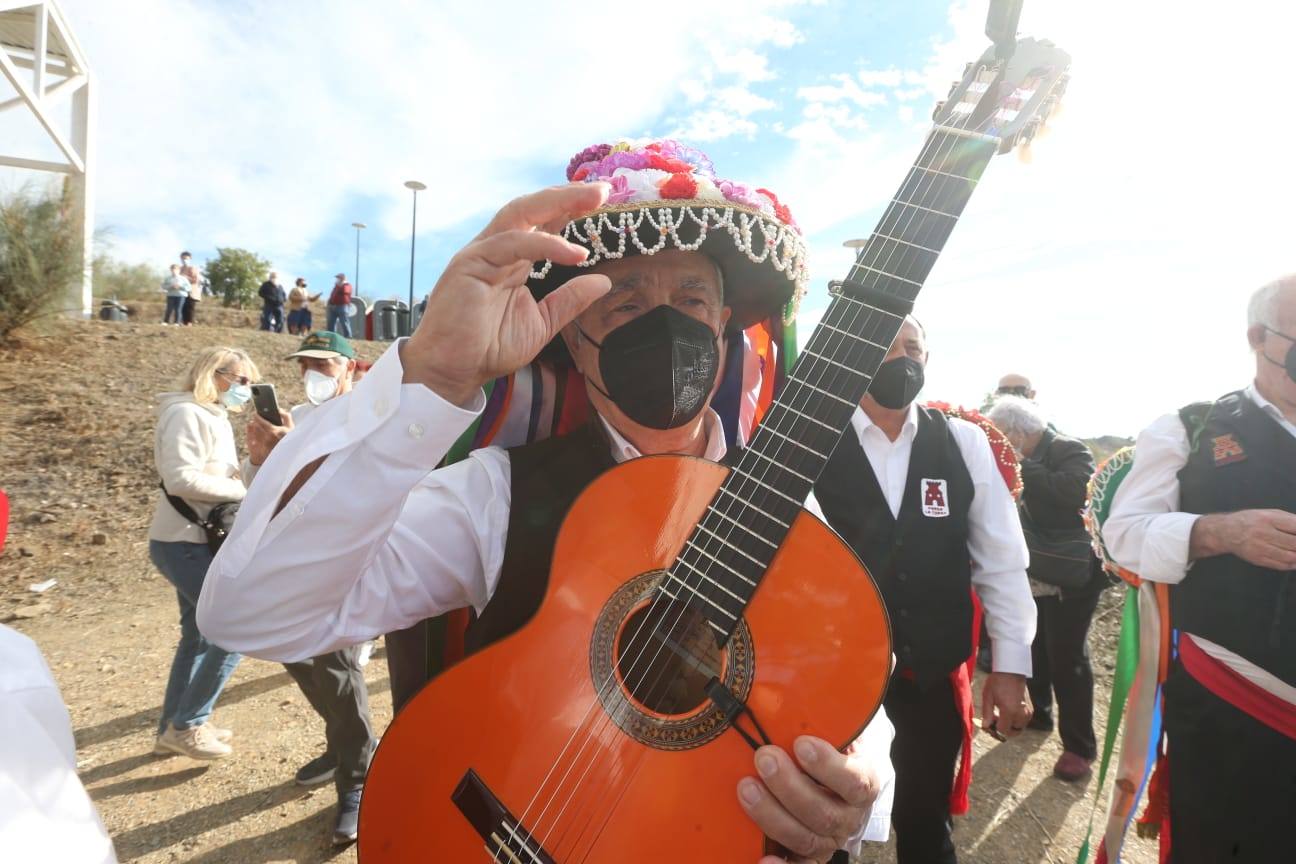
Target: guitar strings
x,y
764,475
598,734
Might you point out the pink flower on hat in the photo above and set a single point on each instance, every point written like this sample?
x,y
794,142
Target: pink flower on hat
x,y
589,154
621,191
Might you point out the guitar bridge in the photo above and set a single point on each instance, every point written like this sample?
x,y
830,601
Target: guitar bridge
x,y
506,840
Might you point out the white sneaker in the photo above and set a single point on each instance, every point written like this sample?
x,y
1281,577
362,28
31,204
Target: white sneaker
x,y
222,735
196,742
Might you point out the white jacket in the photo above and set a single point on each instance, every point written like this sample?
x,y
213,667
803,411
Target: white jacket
x,y
197,460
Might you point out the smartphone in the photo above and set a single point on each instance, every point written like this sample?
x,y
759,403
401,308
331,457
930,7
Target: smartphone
x,y
263,398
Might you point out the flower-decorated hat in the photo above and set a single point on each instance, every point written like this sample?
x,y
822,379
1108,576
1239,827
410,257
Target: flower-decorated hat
x,y
667,196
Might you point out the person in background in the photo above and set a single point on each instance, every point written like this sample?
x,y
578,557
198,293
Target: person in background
x,y
299,313
198,462
177,289
920,500
1209,509
1055,481
273,298
333,682
1013,384
339,306
190,272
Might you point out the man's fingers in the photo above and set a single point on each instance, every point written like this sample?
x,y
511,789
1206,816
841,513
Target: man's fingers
x,y
987,707
837,772
509,248
778,824
548,206
814,808
560,307
1282,520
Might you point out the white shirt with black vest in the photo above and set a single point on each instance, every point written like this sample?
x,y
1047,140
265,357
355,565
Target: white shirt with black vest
x,y
1148,534
995,541
376,540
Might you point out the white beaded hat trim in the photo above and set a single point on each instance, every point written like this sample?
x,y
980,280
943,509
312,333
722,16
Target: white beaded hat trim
x,y
781,246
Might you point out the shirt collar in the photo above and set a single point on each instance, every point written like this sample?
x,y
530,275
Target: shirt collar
x,y
861,422
1269,408
712,427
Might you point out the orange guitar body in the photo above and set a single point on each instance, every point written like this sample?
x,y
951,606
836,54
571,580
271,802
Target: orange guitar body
x,y
526,716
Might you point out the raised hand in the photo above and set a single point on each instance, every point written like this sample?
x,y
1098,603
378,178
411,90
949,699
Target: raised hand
x,y
481,320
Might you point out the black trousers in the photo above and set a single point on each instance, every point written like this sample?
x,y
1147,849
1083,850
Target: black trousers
x,y
928,736
335,687
1060,663
1232,781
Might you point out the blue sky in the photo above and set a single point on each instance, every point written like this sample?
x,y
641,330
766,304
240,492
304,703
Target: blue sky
x,y
1113,268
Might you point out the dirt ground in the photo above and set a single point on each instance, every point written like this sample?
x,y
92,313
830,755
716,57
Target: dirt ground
x,y
76,437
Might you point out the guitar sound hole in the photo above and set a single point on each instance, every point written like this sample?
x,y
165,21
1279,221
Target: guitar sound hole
x,y
666,654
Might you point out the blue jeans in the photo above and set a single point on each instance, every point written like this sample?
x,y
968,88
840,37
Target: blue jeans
x,y
173,307
200,669
272,318
339,320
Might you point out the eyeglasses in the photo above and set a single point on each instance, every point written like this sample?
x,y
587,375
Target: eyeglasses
x,y
237,379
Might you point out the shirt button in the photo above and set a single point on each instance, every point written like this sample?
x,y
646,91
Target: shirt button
x,y
380,407
902,576
904,613
416,430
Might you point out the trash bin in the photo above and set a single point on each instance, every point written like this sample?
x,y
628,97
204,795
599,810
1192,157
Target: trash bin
x,y
111,310
402,322
386,328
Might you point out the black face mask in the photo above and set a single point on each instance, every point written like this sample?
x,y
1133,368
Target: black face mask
x,y
1290,363
659,368
897,382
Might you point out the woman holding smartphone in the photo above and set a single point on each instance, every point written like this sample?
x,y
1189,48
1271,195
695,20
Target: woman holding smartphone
x,y
197,460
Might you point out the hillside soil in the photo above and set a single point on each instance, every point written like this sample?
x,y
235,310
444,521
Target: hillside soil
x,y
76,450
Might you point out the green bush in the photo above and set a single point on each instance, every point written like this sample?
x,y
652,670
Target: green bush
x,y
236,275
113,278
40,257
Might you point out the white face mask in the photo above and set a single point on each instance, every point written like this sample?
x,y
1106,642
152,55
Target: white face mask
x,y
319,387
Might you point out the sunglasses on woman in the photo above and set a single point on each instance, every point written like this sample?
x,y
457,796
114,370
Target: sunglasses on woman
x,y
235,379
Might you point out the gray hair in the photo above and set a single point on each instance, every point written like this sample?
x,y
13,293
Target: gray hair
x,y
1262,311
1016,416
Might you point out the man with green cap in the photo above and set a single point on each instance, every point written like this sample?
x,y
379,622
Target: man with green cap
x,y
334,682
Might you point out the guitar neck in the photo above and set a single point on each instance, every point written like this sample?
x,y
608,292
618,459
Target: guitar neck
x,y
732,546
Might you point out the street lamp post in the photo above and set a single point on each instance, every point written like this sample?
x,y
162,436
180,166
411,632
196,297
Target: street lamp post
x,y
417,187
359,226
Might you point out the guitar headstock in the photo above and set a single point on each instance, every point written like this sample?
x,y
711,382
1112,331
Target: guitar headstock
x,y
1011,98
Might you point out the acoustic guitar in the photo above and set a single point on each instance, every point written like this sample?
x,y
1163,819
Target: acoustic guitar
x,y
694,611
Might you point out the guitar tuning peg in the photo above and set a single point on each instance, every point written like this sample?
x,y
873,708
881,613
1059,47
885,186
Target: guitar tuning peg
x,y
940,106
953,86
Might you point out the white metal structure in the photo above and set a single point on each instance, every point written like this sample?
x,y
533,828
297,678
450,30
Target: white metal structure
x,y
40,58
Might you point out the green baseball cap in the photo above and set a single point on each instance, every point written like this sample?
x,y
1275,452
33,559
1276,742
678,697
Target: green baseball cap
x,y
324,344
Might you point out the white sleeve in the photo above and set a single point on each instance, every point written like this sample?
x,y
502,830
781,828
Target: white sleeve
x,y
375,540
874,745
182,451
45,813
1145,531
999,555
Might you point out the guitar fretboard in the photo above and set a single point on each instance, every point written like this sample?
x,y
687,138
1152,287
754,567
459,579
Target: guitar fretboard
x,y
729,551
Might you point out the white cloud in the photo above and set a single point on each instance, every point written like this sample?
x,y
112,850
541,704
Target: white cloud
x,y
253,125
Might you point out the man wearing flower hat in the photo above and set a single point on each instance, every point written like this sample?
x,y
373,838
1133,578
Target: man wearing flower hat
x,y
647,259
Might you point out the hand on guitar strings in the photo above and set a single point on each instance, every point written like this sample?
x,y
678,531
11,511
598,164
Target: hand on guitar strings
x,y
1004,709
481,320
810,805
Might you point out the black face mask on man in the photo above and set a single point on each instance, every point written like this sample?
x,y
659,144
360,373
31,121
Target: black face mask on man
x,y
1290,361
897,382
659,368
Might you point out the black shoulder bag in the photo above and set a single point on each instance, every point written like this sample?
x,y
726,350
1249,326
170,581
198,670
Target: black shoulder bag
x,y
218,523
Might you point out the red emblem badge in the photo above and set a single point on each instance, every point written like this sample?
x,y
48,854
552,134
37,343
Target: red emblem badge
x,y
935,498
1227,450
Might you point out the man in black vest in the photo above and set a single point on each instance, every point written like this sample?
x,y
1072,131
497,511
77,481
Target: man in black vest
x,y
1208,508
920,500
646,327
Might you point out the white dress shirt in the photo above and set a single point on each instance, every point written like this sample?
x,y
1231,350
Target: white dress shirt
x,y
1148,534
995,540
45,813
377,540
